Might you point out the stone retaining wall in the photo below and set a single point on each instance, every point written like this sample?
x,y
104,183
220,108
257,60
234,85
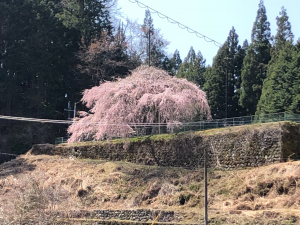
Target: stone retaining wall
x,y
244,146
139,215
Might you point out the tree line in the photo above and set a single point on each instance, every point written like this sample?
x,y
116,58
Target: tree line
x,y
52,50
259,77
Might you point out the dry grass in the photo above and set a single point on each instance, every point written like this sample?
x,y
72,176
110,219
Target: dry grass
x,y
35,189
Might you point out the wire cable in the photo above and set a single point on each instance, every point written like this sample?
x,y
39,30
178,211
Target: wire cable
x,y
180,25
225,123
3,153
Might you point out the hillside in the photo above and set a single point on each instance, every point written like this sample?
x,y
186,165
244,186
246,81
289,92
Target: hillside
x,y
54,190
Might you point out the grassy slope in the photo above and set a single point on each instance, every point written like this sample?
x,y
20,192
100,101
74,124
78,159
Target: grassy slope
x,y
33,186
209,132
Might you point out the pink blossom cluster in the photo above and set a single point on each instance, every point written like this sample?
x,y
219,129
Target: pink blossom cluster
x,y
149,95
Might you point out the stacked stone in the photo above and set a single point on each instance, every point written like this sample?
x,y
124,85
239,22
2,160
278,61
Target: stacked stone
x,y
140,215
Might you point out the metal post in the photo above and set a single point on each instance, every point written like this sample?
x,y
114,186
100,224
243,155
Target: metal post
x,y
158,122
69,108
205,188
74,110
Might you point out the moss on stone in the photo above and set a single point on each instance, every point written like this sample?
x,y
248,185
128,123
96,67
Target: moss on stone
x,y
231,147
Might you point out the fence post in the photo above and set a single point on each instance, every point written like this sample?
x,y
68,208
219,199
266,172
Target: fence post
x,y
284,116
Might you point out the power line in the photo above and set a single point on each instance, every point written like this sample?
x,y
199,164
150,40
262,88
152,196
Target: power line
x,y
3,153
180,25
26,119
215,123
209,122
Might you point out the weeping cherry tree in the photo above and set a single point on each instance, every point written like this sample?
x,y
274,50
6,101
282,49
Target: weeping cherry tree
x,y
149,95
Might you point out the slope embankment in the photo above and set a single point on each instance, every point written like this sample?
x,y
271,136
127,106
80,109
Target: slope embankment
x,y
232,147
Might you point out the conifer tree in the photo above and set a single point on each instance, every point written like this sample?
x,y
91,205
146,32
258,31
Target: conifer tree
x,y
90,17
175,63
223,79
237,110
295,74
148,30
38,63
157,44
214,86
193,67
277,92
255,64
284,30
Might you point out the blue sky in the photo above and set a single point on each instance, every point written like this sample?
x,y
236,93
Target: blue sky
x,y
213,18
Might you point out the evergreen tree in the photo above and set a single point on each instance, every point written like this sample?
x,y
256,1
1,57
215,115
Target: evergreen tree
x,y
295,74
157,55
148,29
193,67
237,110
90,17
157,44
255,64
284,30
277,92
214,86
175,63
36,63
226,70
38,47
232,76
167,65
105,59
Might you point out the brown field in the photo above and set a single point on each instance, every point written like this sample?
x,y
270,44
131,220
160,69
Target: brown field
x,y
34,188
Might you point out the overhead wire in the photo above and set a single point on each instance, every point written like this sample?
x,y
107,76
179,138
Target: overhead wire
x,y
180,25
208,122
3,153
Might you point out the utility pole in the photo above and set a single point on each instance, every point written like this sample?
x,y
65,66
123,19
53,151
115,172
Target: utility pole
x,y
205,188
226,90
149,46
69,116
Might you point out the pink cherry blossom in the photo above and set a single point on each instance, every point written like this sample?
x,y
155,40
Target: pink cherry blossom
x,y
148,95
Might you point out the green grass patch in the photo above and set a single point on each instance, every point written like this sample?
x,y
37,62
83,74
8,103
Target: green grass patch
x,y
164,137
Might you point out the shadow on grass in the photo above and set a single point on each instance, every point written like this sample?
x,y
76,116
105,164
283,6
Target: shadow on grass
x,y
6,157
15,166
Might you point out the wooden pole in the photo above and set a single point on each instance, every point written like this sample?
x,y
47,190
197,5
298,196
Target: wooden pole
x,y
149,48
205,188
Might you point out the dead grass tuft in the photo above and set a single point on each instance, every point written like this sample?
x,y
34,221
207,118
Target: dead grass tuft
x,y
42,186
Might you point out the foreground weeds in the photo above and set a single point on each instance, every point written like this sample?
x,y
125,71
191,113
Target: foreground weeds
x,y
45,189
